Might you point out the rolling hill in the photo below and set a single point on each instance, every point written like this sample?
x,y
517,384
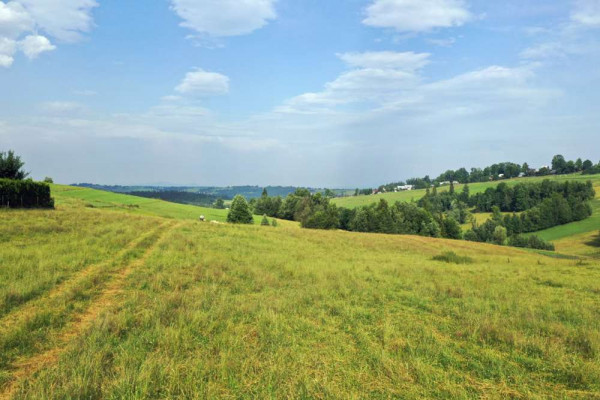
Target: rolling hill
x,y
583,228
112,296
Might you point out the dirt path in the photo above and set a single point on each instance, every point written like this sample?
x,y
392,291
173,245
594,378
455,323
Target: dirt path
x,y
19,314
25,368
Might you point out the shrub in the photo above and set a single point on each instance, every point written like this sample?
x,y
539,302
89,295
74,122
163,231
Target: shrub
x,y
265,221
25,194
274,223
500,235
451,257
239,213
537,243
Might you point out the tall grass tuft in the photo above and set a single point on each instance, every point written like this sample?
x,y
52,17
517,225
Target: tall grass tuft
x,y
451,257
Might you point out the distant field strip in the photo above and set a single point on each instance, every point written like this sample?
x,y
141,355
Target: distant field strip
x,y
479,187
67,196
590,224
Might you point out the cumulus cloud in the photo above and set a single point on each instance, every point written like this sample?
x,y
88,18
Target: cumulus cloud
x,y
14,19
34,45
203,83
222,18
417,15
21,22
8,47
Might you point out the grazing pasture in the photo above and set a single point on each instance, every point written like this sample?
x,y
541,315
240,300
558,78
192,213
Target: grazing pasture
x,y
112,302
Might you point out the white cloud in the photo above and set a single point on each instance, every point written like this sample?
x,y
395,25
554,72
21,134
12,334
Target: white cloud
x,y
224,17
587,13
394,82
203,83
33,45
8,47
407,61
377,77
62,19
417,15
22,20
14,19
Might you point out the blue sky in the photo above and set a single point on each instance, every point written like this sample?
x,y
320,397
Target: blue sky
x,y
317,93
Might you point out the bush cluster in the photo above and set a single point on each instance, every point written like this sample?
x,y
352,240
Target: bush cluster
x,y
25,194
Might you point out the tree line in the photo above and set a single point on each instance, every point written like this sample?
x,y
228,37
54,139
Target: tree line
x,y
18,192
524,196
505,170
545,205
181,197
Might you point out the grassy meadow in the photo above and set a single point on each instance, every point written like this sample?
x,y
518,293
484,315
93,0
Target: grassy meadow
x,y
91,198
116,302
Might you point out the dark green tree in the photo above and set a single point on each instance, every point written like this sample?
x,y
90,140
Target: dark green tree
x,y
265,221
239,213
11,166
559,164
451,229
220,204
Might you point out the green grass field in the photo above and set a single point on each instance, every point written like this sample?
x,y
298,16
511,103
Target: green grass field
x,y
91,198
135,303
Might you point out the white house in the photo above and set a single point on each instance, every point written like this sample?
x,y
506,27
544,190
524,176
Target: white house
x,y
405,187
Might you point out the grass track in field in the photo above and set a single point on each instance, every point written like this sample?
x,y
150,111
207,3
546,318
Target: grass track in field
x,y
28,366
221,311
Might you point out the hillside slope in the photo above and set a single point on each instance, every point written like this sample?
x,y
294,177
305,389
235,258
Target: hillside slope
x,y
576,229
91,198
112,303
479,187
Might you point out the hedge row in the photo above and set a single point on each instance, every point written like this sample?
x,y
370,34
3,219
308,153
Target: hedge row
x,y
25,194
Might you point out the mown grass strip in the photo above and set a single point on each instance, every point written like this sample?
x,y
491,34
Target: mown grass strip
x,y
57,320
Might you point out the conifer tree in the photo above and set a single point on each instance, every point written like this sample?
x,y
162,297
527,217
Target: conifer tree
x,y
239,213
